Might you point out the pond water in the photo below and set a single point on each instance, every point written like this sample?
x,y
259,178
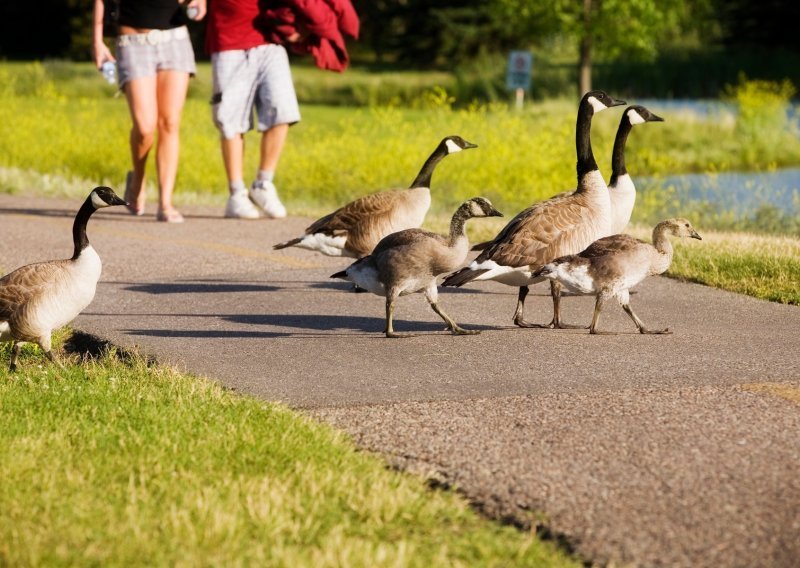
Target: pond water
x,y
739,192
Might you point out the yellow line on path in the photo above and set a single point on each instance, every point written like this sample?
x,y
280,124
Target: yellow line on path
x,y
207,245
788,392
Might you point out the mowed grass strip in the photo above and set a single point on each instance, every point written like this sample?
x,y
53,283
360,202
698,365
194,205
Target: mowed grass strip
x,y
118,464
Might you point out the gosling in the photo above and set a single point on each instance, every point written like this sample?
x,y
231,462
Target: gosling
x,y
409,261
611,266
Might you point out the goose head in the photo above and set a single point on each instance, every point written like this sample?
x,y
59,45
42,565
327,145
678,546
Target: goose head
x,y
637,114
600,100
681,227
480,207
453,144
103,196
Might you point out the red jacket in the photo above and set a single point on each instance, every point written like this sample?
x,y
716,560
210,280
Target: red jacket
x,y
322,25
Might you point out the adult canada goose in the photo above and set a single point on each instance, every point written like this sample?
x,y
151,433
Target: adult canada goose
x,y
354,229
611,266
565,224
621,189
38,298
409,261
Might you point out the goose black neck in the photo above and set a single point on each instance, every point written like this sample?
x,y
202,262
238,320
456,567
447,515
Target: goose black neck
x,y
423,178
618,157
79,238
458,222
583,141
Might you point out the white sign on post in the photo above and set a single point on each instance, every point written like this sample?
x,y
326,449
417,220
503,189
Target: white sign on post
x,y
518,74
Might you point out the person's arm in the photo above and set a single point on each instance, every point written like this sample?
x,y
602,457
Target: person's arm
x,y
100,50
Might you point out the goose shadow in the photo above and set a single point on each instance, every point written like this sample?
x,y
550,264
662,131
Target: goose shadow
x,y
199,287
39,212
340,322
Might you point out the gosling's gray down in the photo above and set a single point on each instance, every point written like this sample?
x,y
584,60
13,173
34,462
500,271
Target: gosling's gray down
x,y
409,261
611,266
39,298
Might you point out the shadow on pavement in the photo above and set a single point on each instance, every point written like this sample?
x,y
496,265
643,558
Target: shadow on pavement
x,y
198,287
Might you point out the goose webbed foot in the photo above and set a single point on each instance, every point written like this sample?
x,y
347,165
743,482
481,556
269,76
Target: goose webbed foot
x,y
561,325
395,335
519,321
461,331
655,331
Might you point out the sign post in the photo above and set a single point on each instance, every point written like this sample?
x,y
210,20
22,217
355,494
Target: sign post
x,y
518,74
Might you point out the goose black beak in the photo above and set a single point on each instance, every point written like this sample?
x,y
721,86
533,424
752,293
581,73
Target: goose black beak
x,y
655,118
495,213
618,102
696,235
469,145
116,200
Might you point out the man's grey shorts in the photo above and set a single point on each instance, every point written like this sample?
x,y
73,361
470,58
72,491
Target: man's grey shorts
x,y
245,78
143,58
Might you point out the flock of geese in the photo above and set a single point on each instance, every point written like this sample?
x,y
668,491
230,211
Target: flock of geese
x,y
573,239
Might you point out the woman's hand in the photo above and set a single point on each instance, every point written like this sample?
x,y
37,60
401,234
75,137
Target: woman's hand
x,y
101,54
200,6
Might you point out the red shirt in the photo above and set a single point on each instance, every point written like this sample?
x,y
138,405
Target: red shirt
x,y
232,24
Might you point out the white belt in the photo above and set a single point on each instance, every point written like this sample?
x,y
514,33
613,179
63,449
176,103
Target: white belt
x,y
153,37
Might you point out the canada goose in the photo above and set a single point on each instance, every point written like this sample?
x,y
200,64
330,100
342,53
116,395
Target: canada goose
x,y
621,190
38,298
565,224
611,266
620,187
354,229
409,261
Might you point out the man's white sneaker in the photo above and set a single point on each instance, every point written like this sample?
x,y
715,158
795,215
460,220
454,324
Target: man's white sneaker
x,y
264,194
239,206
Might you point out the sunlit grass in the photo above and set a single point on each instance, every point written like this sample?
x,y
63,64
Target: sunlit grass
x,y
118,463
767,267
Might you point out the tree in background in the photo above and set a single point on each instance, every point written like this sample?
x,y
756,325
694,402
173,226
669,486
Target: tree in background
x,y
634,29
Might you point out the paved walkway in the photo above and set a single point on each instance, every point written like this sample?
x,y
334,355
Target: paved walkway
x,y
678,450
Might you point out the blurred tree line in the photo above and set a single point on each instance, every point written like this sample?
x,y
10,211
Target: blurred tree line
x,y
643,47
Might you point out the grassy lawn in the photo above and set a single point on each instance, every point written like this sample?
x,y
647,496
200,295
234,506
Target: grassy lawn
x,y
116,463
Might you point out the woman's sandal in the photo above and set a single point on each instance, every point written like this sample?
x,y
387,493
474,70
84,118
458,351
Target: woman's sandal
x,y
170,216
131,201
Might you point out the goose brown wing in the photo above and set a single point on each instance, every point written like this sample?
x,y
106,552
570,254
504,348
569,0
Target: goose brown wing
x,y
356,212
542,233
24,284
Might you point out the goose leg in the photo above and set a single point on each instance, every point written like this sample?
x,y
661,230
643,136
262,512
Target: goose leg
x,y
15,349
451,325
642,329
555,292
519,319
46,345
598,306
389,331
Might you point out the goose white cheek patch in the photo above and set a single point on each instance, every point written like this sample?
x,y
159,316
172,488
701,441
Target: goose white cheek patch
x,y
597,105
97,201
635,118
452,147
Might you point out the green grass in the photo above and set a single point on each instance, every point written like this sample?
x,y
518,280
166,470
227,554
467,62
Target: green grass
x,y
117,463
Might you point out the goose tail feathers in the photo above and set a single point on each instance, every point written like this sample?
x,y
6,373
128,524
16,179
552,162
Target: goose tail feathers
x,y
461,277
287,244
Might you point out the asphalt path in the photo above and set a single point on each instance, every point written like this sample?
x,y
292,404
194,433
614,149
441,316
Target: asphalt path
x,y
676,450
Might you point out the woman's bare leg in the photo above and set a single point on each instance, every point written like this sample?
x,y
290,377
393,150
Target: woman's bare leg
x,y
171,95
143,107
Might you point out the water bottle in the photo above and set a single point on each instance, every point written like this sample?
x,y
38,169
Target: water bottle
x,y
109,70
